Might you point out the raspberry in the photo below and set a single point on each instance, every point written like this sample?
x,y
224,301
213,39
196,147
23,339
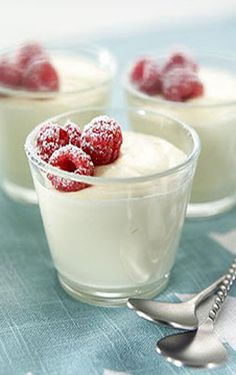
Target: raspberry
x,y
181,84
180,59
102,139
146,75
74,133
71,159
41,76
10,75
29,52
49,139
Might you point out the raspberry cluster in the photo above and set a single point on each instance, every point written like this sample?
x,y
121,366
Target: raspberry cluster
x,y
75,151
29,69
177,80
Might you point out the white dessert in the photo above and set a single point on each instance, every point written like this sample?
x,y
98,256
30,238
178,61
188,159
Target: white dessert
x,y
20,112
213,115
118,236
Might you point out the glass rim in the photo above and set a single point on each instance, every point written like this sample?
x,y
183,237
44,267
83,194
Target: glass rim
x,y
95,50
95,180
165,102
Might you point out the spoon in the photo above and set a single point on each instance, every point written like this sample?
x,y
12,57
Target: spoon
x,y
200,348
178,315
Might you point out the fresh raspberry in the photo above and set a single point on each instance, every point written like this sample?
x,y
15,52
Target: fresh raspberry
x,y
29,52
146,75
71,159
41,76
102,139
180,59
74,133
10,75
181,84
50,138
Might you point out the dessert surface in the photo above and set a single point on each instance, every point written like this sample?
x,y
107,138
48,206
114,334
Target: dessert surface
x,y
78,73
142,155
219,85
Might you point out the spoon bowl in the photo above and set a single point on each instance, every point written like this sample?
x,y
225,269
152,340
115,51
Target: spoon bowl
x,y
200,348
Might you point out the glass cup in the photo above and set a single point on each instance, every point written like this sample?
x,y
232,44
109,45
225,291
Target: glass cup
x,y
86,79
214,119
117,238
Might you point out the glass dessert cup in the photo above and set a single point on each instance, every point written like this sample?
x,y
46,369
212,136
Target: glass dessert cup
x,y
214,119
117,238
86,80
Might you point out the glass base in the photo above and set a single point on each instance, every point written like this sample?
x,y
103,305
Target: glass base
x,y
18,193
111,298
204,210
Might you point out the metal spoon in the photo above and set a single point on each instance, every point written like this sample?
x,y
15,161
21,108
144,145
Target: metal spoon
x,y
200,348
178,315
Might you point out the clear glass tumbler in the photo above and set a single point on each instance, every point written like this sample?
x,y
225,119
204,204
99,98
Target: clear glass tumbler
x,y
86,80
214,119
117,238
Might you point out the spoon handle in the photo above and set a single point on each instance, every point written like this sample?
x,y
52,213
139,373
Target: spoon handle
x,y
223,291
205,293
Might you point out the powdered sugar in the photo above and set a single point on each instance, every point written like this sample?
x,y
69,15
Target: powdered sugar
x,y
146,75
50,138
102,139
99,124
181,83
180,59
28,52
41,75
74,132
10,74
71,159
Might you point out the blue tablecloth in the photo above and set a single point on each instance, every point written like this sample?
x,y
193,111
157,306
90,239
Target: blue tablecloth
x,y
44,331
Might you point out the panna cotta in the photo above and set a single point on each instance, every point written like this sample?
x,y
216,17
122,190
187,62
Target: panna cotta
x,y
73,79
210,107
113,219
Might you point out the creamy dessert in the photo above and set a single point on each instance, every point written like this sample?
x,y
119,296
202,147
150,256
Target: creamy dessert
x,y
204,97
47,85
116,233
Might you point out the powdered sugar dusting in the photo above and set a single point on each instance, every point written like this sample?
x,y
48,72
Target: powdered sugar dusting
x,y
50,138
104,124
146,75
71,159
74,132
180,59
102,139
72,152
180,84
